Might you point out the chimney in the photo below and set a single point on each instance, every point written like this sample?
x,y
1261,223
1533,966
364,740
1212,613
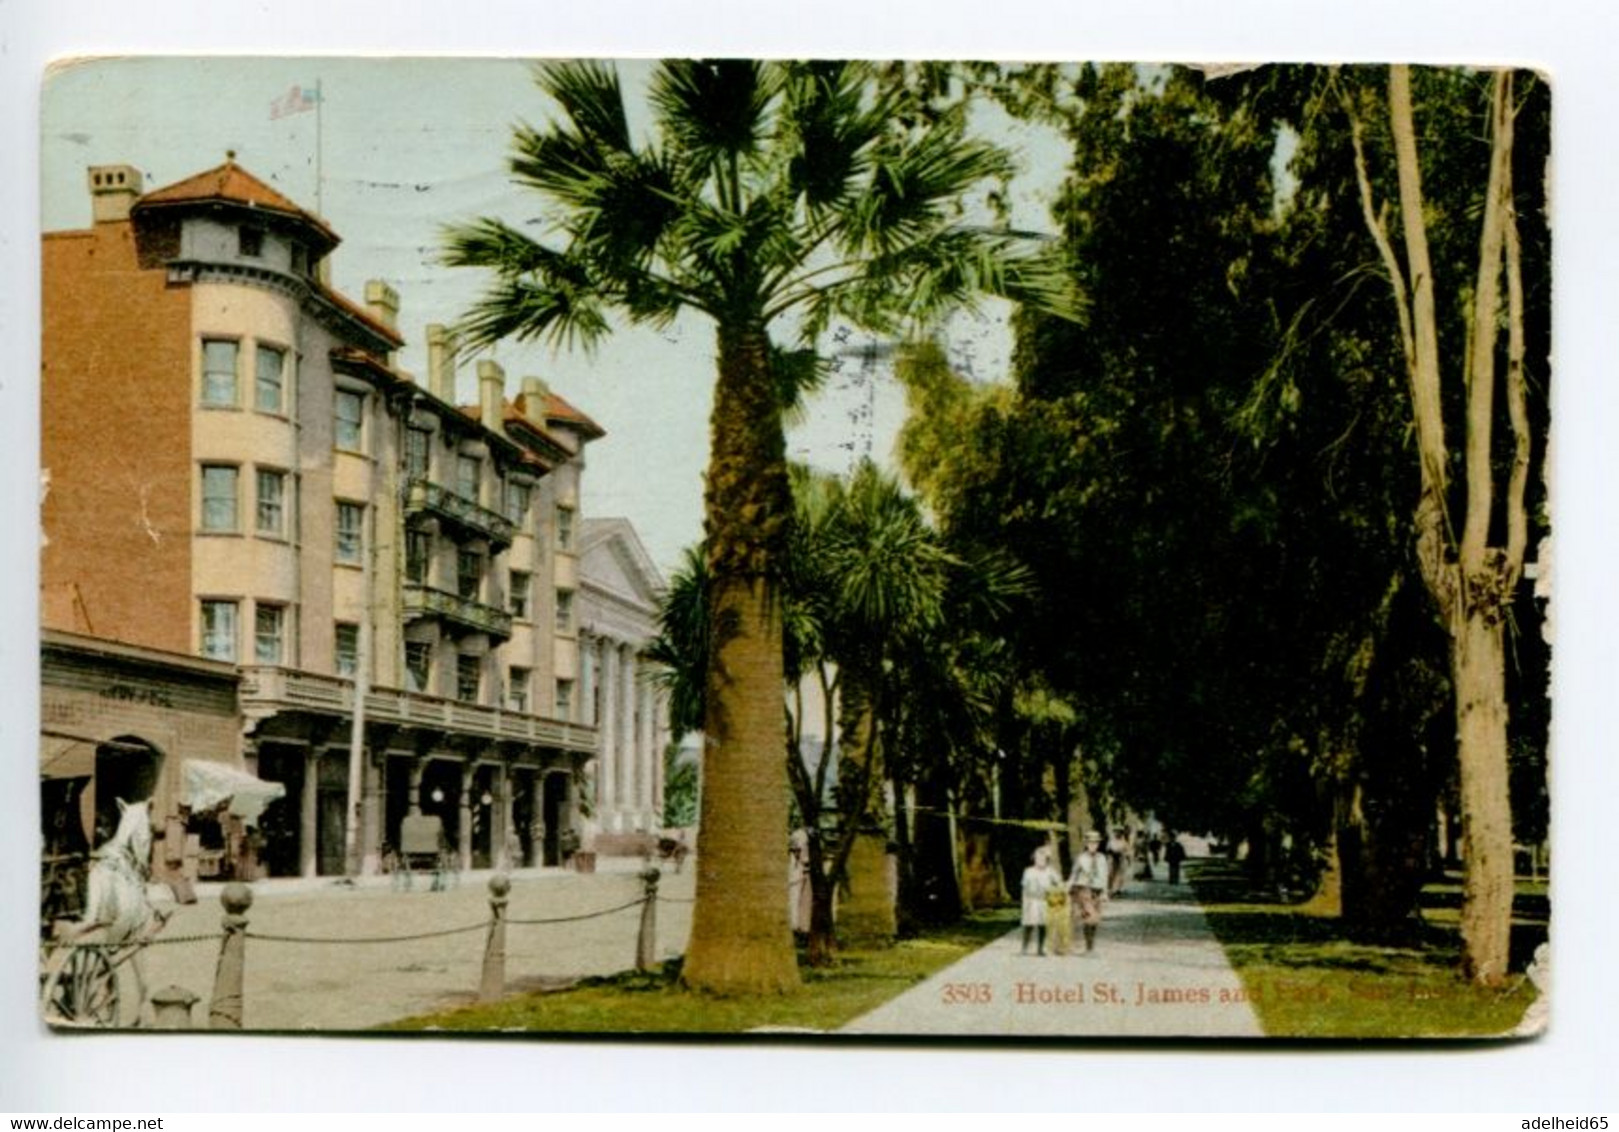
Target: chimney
x,y
441,362
534,393
113,190
491,391
382,301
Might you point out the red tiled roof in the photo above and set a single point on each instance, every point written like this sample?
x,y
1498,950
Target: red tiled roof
x,y
355,310
232,184
363,360
556,409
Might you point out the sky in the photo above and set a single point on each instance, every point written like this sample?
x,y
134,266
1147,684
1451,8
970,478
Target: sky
x,y
398,149
1565,1072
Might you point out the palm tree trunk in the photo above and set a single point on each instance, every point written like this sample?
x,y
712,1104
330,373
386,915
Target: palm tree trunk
x,y
741,936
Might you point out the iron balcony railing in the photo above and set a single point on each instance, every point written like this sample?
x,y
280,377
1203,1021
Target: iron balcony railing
x,y
266,691
427,601
425,495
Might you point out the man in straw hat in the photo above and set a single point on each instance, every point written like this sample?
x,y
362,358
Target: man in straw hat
x,y
1087,887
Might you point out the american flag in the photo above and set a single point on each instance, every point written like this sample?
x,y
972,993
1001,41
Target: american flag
x,y
297,99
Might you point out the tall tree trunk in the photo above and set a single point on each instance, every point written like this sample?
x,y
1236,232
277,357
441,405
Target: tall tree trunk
x,y
741,936
906,898
1481,715
866,912
1472,582
938,889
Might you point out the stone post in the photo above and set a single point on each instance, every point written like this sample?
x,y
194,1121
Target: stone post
x,y
225,1008
171,1006
493,983
646,944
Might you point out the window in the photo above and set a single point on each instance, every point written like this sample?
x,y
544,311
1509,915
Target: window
x,y
517,683
347,651
468,470
268,626
218,498
416,448
350,417
564,699
468,574
299,259
564,528
351,533
418,665
468,677
250,241
272,509
564,611
418,553
518,496
219,374
269,385
219,630
522,583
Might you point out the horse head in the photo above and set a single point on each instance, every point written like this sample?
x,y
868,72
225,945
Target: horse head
x,y
133,838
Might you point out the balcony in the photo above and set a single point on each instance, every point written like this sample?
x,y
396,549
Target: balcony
x,y
267,691
475,520
471,616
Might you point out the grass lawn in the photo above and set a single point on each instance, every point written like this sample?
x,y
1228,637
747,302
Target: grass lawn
x,y
653,1003
1306,980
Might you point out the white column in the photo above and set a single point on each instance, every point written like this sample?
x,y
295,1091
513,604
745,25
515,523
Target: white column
x,y
660,741
607,741
585,712
626,733
647,751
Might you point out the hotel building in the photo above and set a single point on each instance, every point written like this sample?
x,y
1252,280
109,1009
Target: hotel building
x,y
237,470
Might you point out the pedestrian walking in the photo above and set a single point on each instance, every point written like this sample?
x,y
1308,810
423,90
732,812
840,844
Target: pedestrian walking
x,y
1174,853
1118,852
1038,879
1088,887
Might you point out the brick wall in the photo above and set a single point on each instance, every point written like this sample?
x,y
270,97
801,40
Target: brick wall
x,y
115,422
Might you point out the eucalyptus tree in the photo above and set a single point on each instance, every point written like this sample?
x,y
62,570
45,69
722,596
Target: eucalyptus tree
x,y
771,197
1469,294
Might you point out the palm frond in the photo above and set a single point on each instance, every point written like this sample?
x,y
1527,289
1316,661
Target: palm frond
x,y
587,91
528,311
917,187
829,127
712,110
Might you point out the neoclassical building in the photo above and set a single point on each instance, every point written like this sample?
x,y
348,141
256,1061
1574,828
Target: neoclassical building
x,y
620,589
238,471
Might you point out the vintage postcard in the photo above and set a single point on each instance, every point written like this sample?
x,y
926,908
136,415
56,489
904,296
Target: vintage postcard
x,y
951,548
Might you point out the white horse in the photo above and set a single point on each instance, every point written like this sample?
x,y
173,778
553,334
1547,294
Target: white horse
x,y
116,906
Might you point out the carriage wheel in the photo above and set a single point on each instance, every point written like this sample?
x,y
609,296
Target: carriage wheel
x,y
80,988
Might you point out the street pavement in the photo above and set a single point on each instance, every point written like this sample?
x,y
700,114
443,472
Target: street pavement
x,y
1157,972
357,985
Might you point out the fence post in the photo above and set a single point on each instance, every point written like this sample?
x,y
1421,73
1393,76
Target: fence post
x,y
171,1006
225,1008
646,944
493,984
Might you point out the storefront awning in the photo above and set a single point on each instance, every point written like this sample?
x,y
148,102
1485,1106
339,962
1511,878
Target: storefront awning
x,y
206,785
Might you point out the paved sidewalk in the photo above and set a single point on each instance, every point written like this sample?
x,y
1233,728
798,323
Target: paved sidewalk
x,y
355,985
1157,972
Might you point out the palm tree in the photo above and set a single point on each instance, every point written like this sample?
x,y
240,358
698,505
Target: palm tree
x,y
773,198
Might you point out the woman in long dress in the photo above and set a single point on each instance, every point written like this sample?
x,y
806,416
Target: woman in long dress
x,y
1038,879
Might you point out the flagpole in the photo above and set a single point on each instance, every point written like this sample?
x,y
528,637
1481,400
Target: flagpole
x,y
320,105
